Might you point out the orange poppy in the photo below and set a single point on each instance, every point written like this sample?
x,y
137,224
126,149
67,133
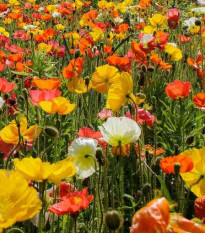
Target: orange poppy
x,y
123,151
49,34
46,17
74,68
152,218
167,164
144,3
178,89
14,15
199,100
3,7
122,62
46,84
15,57
123,27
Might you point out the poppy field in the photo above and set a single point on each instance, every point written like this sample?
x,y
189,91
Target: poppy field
x,y
102,122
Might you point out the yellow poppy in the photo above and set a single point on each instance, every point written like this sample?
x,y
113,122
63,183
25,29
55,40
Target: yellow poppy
x,y
18,201
10,133
78,86
120,92
175,54
59,105
195,179
104,77
36,170
157,20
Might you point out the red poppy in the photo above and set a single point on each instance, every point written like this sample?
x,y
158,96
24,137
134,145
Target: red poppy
x,y
199,208
178,89
199,100
12,104
183,38
6,86
167,164
86,132
64,190
37,96
6,148
72,203
173,17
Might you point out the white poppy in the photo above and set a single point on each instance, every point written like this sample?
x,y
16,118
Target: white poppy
x,y
81,149
120,130
1,102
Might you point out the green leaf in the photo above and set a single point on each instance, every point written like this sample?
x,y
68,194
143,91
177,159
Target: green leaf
x,y
21,73
164,188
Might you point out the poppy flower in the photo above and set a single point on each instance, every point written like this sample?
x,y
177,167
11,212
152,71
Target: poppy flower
x,y
80,150
121,151
72,203
120,131
37,96
79,86
199,208
104,114
173,17
167,164
120,92
195,179
104,77
174,53
199,100
144,3
9,134
178,89
152,218
74,68
36,170
46,84
155,217
86,132
59,105
6,86
18,201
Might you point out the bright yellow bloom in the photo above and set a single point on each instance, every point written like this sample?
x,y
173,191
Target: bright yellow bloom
x,y
104,77
18,201
78,86
44,47
97,34
74,39
174,53
51,8
149,30
36,170
109,39
59,105
120,93
195,179
13,2
194,29
157,20
102,4
3,32
10,133
7,21
121,7
60,27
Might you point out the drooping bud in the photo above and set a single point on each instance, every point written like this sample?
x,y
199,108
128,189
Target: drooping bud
x,y
51,131
113,220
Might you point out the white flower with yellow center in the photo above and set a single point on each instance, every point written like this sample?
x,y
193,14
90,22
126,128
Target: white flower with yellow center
x,y
83,150
120,131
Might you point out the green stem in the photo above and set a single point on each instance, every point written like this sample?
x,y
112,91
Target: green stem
x,y
14,229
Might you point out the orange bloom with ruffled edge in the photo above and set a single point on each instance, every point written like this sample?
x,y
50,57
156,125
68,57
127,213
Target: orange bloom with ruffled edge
x,y
199,100
46,84
74,68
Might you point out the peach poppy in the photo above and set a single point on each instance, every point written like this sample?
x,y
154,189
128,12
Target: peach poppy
x,y
178,89
59,105
46,84
37,96
199,100
6,86
167,164
152,218
74,68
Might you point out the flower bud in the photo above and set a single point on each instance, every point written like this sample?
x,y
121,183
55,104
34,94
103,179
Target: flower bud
x,y
198,22
51,131
100,157
25,93
190,139
151,69
77,53
6,96
146,188
113,220
144,68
